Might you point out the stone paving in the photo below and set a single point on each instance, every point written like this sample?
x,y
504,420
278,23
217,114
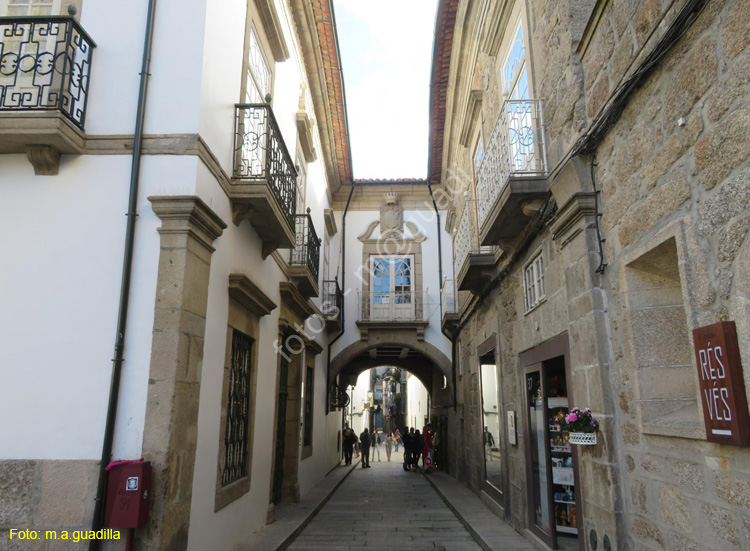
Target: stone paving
x,y
385,507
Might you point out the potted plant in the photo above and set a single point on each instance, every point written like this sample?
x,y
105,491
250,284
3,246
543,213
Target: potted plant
x,y
580,426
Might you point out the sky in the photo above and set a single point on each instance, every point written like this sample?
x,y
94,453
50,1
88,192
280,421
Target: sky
x,y
386,50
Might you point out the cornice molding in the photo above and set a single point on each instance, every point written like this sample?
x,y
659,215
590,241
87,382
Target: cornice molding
x,y
294,301
188,214
249,295
272,26
566,224
471,114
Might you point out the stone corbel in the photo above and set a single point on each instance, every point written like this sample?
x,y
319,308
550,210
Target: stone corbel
x,y
305,133
44,158
330,221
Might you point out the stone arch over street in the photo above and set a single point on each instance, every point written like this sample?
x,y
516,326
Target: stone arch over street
x,y
423,360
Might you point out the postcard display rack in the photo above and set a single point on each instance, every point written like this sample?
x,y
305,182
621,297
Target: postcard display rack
x,y
563,480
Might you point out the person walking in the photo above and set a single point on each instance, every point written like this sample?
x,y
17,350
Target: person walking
x,y
406,441
349,440
397,439
416,448
427,448
375,442
489,443
364,444
389,440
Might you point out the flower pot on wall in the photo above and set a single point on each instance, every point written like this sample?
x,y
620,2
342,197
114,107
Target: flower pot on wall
x,y
582,438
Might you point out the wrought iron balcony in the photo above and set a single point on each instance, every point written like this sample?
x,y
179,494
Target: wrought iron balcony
x,y
513,172
45,64
473,263
305,256
333,305
449,306
264,187
393,306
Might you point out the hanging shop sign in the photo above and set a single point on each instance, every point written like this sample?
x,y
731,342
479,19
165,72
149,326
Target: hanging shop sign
x,y
722,386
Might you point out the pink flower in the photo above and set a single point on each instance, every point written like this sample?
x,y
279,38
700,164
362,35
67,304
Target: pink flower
x,y
573,418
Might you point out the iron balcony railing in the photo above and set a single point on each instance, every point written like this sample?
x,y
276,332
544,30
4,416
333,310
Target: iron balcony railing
x,y
515,149
448,297
261,154
306,251
393,306
45,64
333,299
466,239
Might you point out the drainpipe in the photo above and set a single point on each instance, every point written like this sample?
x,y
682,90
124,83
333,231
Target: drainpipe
x,y
452,339
343,279
122,316
346,209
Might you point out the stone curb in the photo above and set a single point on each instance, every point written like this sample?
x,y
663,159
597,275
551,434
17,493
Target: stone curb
x,y
474,534
289,528
303,524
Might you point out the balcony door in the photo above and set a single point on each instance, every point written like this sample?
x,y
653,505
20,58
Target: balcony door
x,y
392,296
519,112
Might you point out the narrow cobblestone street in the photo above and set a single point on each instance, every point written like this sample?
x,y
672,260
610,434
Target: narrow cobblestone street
x,y
385,507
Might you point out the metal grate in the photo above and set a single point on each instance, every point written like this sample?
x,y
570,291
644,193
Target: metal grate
x,y
306,251
45,64
238,410
261,154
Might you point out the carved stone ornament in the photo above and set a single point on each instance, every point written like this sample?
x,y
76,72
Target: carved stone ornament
x,y
391,217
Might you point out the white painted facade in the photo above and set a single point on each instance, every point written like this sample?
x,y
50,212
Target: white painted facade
x,y
357,223
417,412
60,280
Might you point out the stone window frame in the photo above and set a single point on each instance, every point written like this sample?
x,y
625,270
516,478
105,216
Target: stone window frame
x,y
402,248
509,86
301,182
308,403
246,305
681,233
538,255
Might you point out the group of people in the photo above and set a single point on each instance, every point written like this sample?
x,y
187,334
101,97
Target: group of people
x,y
416,445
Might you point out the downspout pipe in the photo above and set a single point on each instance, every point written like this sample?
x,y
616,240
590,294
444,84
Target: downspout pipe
x,y
122,316
343,279
346,209
451,338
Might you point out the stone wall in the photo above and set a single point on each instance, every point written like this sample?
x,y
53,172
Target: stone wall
x,y
46,495
674,178
675,184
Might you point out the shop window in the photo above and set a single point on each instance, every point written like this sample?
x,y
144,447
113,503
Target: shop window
x,y
661,345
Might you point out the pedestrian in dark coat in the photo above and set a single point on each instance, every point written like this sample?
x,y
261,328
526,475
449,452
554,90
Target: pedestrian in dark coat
x,y
416,448
406,441
364,445
349,440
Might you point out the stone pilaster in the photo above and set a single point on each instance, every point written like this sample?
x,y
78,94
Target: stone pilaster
x,y
189,228
575,235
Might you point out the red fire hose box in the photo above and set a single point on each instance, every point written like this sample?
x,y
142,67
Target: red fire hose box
x,y
128,494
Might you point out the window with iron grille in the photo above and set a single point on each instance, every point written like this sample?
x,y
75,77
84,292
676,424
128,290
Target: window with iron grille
x,y
307,433
238,406
533,281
